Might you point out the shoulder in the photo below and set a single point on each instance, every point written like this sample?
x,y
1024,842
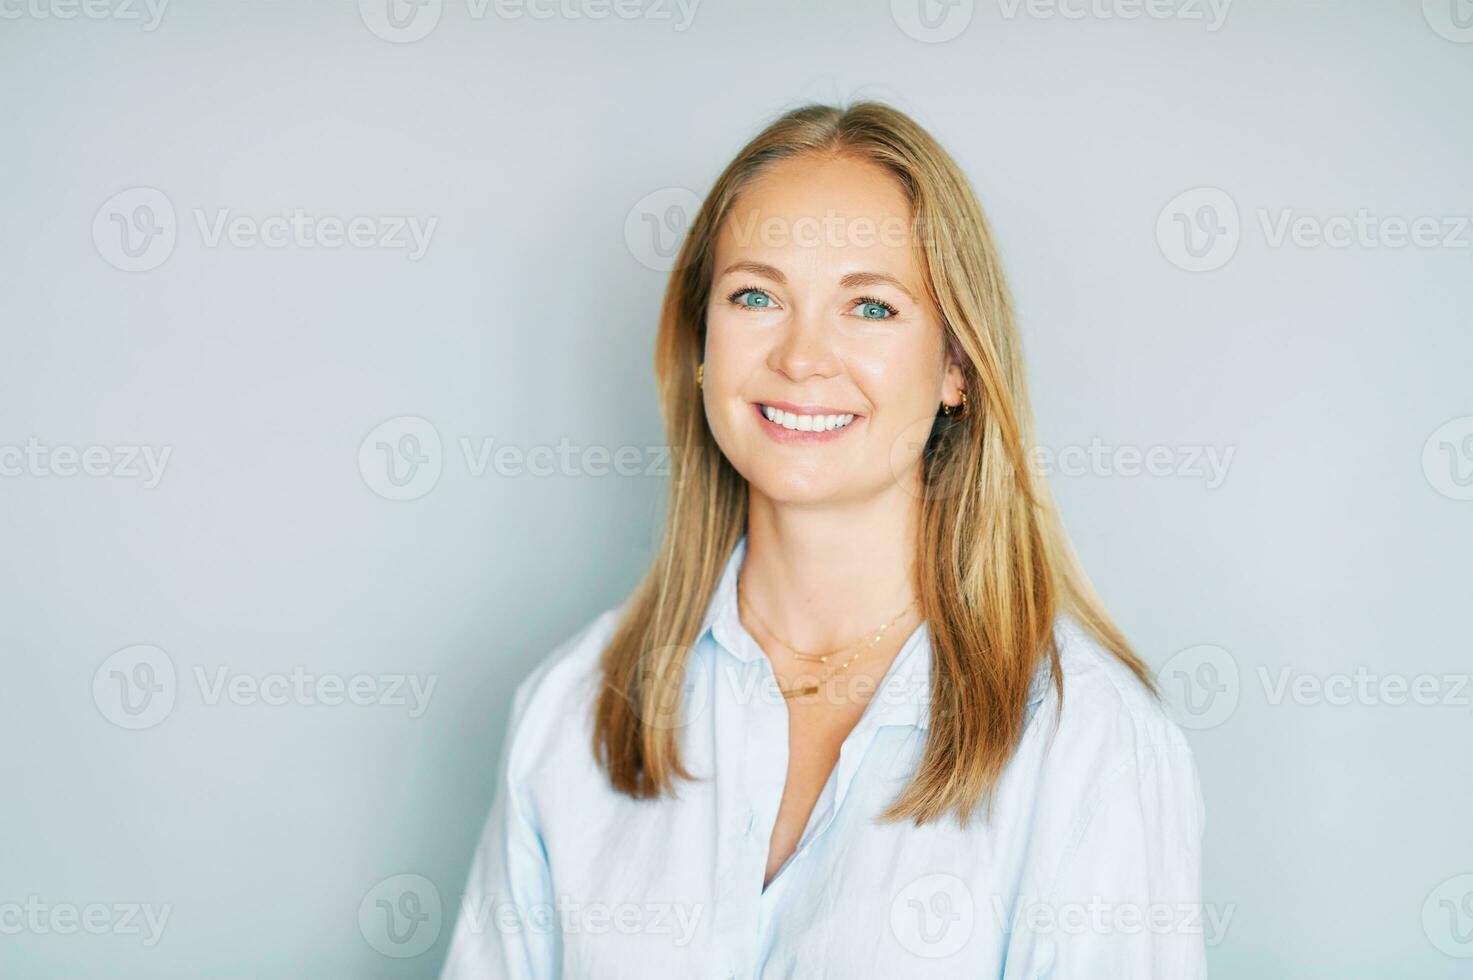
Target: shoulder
x,y
1110,736
552,702
1104,702
1118,805
570,661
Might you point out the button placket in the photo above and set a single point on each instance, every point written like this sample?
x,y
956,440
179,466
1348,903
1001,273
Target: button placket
x,y
751,746
857,745
764,757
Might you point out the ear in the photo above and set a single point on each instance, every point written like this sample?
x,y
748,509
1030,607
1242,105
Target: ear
x,y
956,375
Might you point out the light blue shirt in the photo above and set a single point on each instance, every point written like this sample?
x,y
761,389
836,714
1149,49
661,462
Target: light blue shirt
x,y
1087,868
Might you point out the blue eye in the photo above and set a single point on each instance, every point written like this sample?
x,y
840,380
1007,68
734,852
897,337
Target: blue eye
x,y
874,309
751,298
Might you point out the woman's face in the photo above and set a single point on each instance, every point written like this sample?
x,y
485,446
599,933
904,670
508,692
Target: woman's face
x,y
818,308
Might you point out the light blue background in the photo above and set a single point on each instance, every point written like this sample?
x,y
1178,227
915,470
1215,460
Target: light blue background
x,y
1327,547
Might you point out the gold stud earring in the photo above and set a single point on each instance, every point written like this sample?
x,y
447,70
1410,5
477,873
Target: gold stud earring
x,y
700,373
955,411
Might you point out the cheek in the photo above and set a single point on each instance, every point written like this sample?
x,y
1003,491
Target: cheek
x,y
732,344
899,378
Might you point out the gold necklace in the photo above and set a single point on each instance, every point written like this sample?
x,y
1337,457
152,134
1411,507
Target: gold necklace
x,y
799,654
805,689
820,658
798,692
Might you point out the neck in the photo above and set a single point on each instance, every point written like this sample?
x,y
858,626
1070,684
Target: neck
x,y
817,577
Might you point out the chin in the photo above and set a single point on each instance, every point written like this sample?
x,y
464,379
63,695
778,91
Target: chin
x,y
788,486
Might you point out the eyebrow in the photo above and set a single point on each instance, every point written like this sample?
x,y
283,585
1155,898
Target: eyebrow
x,y
851,281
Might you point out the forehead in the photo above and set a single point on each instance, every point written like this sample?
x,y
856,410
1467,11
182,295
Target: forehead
x,y
811,210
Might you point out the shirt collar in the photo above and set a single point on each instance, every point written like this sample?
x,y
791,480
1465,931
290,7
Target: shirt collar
x,y
723,606
903,694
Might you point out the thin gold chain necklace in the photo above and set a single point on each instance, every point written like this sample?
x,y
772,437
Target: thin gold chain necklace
x,y
800,691
799,654
804,689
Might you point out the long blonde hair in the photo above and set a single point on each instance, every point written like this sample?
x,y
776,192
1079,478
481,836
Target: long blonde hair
x,y
994,567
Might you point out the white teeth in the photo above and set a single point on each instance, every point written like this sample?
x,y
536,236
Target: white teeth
x,y
806,423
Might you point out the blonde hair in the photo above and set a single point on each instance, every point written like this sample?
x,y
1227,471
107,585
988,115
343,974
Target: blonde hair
x,y
994,567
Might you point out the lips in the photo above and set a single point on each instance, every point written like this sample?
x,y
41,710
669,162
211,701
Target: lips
x,y
807,409
787,427
805,422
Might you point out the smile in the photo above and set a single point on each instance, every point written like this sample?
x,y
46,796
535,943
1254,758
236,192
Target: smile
x,y
805,423
784,425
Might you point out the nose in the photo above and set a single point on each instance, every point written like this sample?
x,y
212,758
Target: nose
x,y
805,350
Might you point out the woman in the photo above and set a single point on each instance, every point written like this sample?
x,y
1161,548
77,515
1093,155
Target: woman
x,y
864,716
